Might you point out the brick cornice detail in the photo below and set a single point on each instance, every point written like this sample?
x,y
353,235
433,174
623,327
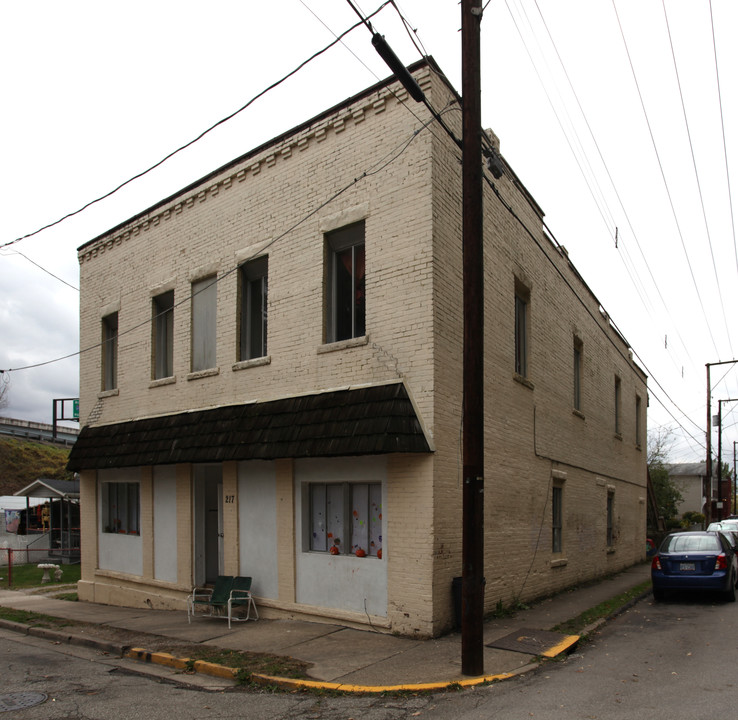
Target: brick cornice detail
x,y
346,117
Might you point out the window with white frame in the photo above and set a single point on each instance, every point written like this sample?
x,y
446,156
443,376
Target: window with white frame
x,y
204,317
345,282
110,352
346,518
252,315
120,508
162,329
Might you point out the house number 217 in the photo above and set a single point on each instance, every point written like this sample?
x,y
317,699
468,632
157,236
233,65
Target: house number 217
x,y
230,498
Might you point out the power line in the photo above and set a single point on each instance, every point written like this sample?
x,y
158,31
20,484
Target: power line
x,y
663,176
196,139
722,125
40,267
614,187
697,177
389,158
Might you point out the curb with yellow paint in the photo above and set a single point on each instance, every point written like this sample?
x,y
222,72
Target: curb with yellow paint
x,y
215,670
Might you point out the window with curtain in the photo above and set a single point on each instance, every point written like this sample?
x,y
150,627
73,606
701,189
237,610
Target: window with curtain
x,y
346,518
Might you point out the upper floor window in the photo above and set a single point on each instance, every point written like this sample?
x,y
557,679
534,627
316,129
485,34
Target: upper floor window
x,y
345,299
252,329
110,352
618,393
204,318
638,427
162,323
522,320
577,374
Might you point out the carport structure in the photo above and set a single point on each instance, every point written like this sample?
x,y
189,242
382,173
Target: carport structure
x,y
64,535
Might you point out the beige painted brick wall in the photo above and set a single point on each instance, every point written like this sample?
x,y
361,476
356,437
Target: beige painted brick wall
x,y
412,201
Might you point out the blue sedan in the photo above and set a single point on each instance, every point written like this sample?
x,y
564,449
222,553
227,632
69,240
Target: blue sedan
x,y
695,561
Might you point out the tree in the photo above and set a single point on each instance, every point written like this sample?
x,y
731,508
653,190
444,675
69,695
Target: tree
x,y
668,497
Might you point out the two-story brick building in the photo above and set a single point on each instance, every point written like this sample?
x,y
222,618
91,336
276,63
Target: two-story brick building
x,y
275,384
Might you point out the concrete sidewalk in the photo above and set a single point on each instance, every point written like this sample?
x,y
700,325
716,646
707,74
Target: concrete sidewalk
x,y
348,659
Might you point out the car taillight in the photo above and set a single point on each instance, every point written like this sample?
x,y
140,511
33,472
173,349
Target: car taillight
x,y
655,563
721,562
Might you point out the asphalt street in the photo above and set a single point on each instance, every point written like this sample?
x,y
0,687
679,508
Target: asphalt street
x,y
672,660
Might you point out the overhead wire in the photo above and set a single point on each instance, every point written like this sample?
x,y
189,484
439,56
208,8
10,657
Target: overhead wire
x,y
615,190
373,169
196,139
666,184
697,178
40,267
528,231
722,126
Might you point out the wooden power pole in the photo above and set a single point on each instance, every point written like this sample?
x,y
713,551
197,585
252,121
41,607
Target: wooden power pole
x,y
472,593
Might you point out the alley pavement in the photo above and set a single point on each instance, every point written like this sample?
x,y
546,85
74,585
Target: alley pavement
x,y
348,659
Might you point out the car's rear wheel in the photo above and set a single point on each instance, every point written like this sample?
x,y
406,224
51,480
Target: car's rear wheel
x,y
730,593
658,595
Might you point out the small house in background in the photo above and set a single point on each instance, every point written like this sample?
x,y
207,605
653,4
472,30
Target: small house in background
x,y
43,519
278,389
690,480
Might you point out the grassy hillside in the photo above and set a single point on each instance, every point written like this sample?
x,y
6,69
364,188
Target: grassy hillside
x,y
23,461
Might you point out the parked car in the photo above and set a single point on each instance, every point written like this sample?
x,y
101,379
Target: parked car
x,y
703,560
731,525
730,530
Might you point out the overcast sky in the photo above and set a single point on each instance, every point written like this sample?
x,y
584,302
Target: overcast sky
x,y
609,111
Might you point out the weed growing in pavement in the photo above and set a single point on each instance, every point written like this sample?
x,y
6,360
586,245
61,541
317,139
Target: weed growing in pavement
x,y
603,610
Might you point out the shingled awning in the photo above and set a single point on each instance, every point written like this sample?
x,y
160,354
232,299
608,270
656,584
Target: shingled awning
x,y
368,420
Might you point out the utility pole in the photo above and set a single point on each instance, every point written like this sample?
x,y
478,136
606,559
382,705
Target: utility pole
x,y
735,485
708,460
721,492
472,589
708,443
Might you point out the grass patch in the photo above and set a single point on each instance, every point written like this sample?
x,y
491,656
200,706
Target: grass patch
x,y
251,663
604,609
247,663
33,619
29,575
